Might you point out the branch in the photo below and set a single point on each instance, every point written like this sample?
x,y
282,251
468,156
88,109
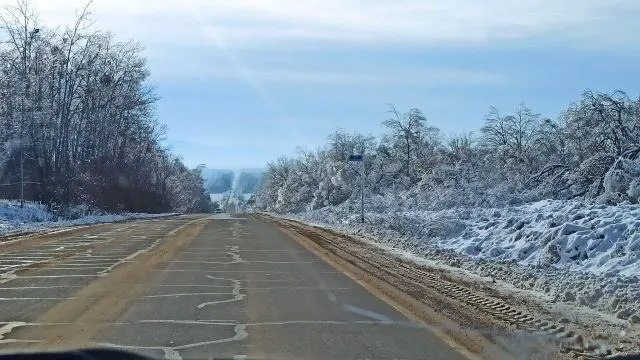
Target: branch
x,y
546,170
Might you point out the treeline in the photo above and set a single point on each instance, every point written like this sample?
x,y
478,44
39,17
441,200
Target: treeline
x,y
590,152
77,121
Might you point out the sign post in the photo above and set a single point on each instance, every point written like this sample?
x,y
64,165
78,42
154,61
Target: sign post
x,y
360,158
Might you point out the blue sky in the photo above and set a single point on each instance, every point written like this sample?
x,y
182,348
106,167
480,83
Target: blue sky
x,y
245,81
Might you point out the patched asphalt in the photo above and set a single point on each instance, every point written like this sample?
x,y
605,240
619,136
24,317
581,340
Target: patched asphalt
x,y
241,289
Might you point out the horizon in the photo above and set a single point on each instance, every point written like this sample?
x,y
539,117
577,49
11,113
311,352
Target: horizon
x,y
293,72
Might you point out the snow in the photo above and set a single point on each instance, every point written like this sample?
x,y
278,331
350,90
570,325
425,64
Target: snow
x,y
571,251
35,217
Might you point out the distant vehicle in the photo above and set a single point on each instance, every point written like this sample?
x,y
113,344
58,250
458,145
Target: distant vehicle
x,y
217,211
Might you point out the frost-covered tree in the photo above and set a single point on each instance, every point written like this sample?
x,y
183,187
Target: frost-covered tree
x,y
77,113
511,141
410,140
592,151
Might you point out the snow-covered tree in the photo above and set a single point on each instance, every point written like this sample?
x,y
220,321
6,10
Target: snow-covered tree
x,y
78,111
592,151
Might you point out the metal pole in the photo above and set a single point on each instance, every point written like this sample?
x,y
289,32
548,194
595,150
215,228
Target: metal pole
x,y
22,120
21,177
362,191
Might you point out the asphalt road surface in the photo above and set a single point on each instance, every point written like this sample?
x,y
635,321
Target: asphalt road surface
x,y
196,287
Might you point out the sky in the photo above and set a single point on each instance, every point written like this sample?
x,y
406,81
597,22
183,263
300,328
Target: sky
x,y
243,82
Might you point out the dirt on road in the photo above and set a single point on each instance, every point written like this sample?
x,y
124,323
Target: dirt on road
x,y
103,300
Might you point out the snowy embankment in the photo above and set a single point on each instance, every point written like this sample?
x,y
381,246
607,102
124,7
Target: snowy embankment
x,y
35,217
573,252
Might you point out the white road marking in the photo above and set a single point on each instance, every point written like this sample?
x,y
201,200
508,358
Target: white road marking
x,y
95,258
8,328
8,276
240,334
237,284
367,313
182,294
40,287
237,296
33,298
88,265
137,253
122,261
332,297
77,267
190,322
235,256
50,276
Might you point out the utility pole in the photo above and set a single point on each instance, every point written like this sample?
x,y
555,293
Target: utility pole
x,y
360,158
22,121
21,176
26,51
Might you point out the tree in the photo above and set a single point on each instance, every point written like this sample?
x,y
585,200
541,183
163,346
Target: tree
x,y
408,132
77,115
511,141
591,152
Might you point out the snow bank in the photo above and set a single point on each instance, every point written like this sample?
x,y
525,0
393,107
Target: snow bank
x,y
35,217
572,251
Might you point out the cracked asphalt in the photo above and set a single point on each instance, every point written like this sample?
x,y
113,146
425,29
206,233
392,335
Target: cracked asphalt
x,y
194,287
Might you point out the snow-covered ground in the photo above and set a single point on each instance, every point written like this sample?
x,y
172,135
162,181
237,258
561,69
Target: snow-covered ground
x,y
36,217
571,251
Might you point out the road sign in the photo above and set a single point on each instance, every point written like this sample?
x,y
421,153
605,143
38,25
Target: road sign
x,y
355,157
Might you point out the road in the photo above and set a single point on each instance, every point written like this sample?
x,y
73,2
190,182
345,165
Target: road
x,y
196,287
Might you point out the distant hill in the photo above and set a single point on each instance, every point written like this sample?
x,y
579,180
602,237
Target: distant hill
x,y
241,181
230,189
217,181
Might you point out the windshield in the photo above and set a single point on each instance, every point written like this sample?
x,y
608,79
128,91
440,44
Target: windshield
x,y
416,179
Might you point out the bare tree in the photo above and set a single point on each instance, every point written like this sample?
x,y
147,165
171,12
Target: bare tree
x,y
78,105
407,130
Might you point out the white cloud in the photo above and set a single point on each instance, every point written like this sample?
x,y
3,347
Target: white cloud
x,y
223,26
407,77
424,77
417,21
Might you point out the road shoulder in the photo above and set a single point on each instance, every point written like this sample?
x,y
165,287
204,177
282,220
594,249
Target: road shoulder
x,y
473,316
392,288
